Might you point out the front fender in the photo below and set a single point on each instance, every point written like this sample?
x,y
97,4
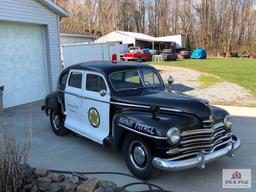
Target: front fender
x,y
142,123
218,114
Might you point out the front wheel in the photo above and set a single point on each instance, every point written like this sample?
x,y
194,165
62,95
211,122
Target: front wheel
x,y
57,123
138,157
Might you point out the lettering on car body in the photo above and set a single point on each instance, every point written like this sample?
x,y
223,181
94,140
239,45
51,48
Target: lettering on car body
x,y
72,108
138,125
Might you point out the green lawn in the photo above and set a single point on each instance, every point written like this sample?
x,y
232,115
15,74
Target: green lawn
x,y
236,70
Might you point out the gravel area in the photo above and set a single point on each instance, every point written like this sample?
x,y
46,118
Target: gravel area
x,y
224,93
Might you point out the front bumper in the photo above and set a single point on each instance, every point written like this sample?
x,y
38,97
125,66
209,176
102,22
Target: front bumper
x,y
200,160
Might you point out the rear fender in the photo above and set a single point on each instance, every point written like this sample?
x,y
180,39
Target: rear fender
x,y
53,102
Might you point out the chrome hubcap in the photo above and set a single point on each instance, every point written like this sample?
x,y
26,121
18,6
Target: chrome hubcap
x,y
138,155
56,120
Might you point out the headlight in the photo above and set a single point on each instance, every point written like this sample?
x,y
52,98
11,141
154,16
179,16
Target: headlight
x,y
173,136
228,121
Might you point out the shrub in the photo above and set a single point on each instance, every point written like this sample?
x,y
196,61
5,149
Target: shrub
x,y
13,158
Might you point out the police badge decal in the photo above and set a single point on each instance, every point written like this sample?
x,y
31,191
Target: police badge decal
x,y
94,117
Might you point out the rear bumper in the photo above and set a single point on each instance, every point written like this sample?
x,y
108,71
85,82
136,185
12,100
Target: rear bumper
x,y
200,160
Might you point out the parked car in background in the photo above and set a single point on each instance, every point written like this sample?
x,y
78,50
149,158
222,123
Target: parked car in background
x,y
153,52
185,54
245,55
134,49
169,55
232,54
136,54
126,106
199,53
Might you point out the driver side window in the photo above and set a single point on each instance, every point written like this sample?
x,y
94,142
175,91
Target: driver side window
x,y
95,83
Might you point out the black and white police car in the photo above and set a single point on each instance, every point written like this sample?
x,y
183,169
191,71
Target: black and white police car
x,y
126,106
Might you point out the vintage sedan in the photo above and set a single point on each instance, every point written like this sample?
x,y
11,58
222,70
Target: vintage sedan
x,y
169,55
127,106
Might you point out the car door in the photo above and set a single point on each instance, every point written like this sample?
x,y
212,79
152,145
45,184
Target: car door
x,y
96,107
73,100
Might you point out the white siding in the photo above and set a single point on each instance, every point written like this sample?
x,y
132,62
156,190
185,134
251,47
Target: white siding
x,y
32,11
71,40
77,53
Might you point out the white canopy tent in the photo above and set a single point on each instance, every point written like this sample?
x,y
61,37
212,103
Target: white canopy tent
x,y
125,37
140,39
130,38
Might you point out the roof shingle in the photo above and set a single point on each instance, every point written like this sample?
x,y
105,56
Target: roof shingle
x,y
67,29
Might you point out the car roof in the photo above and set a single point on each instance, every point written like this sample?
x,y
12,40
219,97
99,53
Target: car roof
x,y
108,67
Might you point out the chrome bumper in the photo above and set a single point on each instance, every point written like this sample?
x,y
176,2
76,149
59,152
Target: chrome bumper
x,y
200,160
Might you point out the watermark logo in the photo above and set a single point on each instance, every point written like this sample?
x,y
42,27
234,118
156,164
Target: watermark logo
x,y
236,178
236,175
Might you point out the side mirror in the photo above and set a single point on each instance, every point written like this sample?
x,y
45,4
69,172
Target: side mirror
x,y
170,80
103,92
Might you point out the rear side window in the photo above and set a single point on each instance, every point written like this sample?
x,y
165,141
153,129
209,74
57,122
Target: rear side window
x,y
75,80
95,83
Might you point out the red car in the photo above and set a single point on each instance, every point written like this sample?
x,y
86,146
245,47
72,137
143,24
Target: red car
x,y
185,54
136,54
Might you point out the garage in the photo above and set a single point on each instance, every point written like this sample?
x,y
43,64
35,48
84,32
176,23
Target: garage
x,y
29,49
23,68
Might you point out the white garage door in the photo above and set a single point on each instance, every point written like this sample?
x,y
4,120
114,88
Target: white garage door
x,y
23,69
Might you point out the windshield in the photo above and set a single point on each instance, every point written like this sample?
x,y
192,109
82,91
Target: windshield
x,y
135,79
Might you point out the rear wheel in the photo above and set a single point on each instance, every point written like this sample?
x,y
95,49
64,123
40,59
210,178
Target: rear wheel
x,y
57,123
138,157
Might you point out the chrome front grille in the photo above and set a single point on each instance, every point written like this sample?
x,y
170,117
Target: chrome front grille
x,y
206,139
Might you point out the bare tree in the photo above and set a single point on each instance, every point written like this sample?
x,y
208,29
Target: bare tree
x,y
212,24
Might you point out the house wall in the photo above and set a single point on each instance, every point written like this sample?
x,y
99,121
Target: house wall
x,y
70,40
31,11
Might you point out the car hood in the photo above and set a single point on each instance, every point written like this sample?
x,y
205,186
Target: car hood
x,y
170,100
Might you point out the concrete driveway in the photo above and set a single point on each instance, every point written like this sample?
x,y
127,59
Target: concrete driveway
x,y
79,154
